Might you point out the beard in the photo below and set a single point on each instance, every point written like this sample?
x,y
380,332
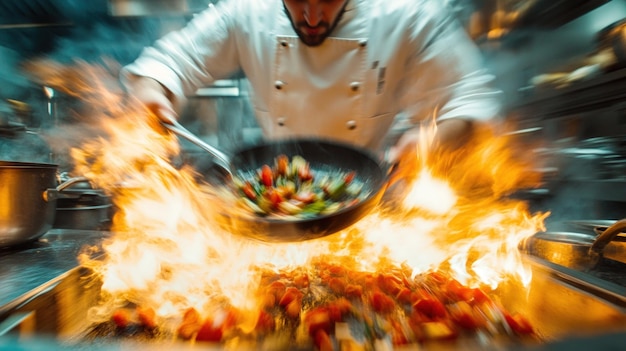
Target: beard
x,y
314,36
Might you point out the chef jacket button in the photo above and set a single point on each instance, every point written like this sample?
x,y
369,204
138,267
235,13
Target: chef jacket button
x,y
281,121
284,43
351,124
363,43
355,86
279,84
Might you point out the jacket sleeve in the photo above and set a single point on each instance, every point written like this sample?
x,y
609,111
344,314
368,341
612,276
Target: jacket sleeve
x,y
194,56
446,77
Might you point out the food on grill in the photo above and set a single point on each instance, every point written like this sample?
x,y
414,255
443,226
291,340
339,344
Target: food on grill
x,y
290,189
335,308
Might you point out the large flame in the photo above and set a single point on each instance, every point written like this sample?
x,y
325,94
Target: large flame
x,y
167,252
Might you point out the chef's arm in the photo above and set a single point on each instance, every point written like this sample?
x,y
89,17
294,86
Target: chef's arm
x,y
184,60
453,133
154,95
448,135
446,83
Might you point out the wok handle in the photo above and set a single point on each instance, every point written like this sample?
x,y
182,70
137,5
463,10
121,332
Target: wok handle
x,y
178,129
606,237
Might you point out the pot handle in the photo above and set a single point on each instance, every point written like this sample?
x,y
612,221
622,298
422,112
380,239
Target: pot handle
x,y
606,237
53,194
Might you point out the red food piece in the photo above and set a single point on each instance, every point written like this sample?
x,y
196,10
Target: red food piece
x,y
147,317
337,308
405,296
122,317
518,323
274,197
282,165
210,331
265,322
323,342
277,288
190,324
268,300
349,177
353,291
389,283
292,310
463,315
337,270
317,319
398,336
382,303
248,190
267,176
290,295
301,280
337,285
231,318
459,292
431,308
437,278
480,297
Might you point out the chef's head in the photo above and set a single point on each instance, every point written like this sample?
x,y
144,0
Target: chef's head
x,y
314,20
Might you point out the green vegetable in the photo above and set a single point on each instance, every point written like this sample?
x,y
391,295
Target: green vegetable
x,y
298,192
336,188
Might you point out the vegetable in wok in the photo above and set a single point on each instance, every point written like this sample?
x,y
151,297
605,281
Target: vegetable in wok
x,y
291,189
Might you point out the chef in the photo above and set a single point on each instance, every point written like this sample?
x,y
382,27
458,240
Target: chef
x,y
350,70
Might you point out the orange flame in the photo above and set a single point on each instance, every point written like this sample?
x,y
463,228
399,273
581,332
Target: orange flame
x,y
167,251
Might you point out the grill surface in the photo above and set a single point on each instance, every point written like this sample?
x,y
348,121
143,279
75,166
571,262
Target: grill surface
x,y
554,304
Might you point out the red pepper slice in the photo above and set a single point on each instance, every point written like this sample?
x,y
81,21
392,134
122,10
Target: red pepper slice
x,y
274,197
282,164
248,190
349,177
267,177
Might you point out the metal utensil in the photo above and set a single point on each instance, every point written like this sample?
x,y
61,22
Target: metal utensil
x,y
221,159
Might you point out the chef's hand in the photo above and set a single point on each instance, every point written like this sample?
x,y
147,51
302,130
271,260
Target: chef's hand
x,y
154,96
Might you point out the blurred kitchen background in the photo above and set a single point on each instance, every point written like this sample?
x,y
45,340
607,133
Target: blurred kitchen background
x,y
560,63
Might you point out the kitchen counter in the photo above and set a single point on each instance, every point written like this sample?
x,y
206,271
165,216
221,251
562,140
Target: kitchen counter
x,y
39,264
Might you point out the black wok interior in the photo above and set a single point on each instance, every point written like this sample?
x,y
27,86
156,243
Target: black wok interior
x,y
323,156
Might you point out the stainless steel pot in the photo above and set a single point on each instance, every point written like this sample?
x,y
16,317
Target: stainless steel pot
x,y
83,217
28,200
80,206
26,209
581,251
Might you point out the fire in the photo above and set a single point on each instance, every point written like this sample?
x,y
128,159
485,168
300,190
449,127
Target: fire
x,y
166,251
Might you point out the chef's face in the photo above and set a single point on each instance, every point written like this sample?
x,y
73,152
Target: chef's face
x,y
314,20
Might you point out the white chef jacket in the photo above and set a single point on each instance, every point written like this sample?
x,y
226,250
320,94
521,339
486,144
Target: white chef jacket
x,y
384,59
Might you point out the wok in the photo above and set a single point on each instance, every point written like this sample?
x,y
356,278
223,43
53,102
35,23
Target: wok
x,y
323,156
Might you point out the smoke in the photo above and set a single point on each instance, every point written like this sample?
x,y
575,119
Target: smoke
x,y
120,41
60,123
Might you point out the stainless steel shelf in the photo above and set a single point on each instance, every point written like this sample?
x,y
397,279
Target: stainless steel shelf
x,y
592,94
550,14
